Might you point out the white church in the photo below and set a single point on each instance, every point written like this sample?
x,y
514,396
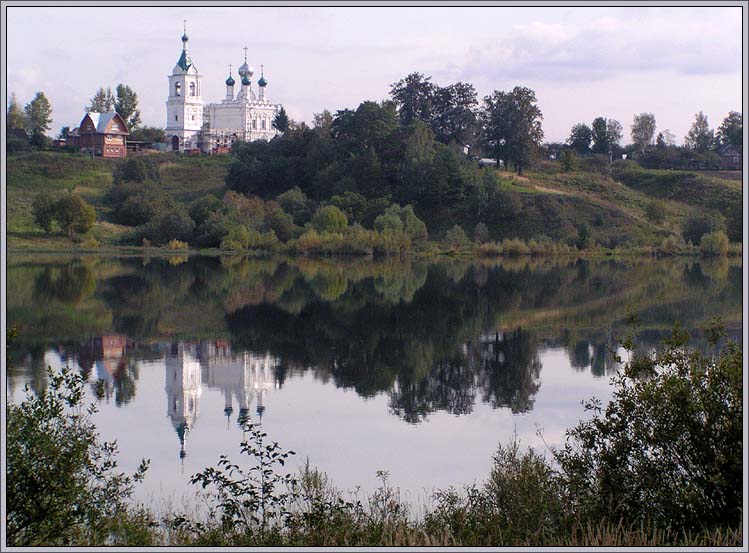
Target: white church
x,y
191,125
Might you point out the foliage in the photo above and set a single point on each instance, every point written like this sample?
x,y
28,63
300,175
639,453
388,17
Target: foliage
x,y
250,498
511,126
102,102
655,212
456,238
136,169
580,138
714,243
329,219
569,160
74,215
700,137
62,482
731,130
583,236
298,205
166,226
480,233
147,134
414,97
126,105
44,210
38,114
643,130
667,448
700,223
16,118
281,121
136,203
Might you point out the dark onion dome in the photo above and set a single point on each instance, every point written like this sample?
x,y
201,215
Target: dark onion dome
x,y
246,80
262,82
230,81
184,37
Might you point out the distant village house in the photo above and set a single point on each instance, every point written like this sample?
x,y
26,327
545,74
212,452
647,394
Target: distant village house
x,y
730,156
103,134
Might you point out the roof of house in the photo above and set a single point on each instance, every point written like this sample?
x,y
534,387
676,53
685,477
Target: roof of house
x,y
101,120
728,150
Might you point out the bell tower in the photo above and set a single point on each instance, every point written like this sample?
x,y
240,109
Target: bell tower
x,y
184,105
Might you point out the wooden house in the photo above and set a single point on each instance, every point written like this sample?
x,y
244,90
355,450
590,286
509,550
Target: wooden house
x,y
104,134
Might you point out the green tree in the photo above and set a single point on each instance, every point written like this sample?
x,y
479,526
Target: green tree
x,y
456,238
731,130
511,126
38,114
655,212
74,215
569,160
600,136
43,210
323,122
62,482
329,219
102,102
580,138
63,133
700,137
16,118
453,117
297,204
281,121
414,97
714,243
643,131
614,133
148,134
126,105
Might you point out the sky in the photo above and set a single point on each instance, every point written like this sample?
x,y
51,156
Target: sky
x,y
582,62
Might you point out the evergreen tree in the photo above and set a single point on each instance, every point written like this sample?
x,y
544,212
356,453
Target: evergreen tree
x,y
38,114
16,118
281,121
102,102
126,105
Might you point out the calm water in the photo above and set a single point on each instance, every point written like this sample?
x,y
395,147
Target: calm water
x,y
414,368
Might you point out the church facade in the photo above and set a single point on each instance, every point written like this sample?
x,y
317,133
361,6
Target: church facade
x,y
192,125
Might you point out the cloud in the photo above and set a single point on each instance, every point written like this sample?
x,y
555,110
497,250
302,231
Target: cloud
x,y
604,47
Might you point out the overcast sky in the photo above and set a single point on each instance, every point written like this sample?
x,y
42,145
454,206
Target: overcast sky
x,y
581,61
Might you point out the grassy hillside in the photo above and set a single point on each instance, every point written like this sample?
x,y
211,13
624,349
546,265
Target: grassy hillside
x,y
30,174
553,203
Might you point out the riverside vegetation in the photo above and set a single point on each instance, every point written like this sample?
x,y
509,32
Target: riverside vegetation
x,y
391,178
675,417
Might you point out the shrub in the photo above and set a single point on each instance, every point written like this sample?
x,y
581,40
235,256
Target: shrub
x,y
177,245
174,224
136,169
655,212
204,207
329,219
714,243
74,215
43,210
700,223
569,160
297,205
667,449
456,238
61,480
137,203
515,247
388,221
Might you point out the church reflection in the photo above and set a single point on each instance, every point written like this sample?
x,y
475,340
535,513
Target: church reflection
x,y
243,377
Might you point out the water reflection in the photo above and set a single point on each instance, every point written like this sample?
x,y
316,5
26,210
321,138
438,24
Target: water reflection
x,y
439,337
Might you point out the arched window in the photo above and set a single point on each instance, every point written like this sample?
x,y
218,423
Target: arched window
x,y
192,89
262,124
178,89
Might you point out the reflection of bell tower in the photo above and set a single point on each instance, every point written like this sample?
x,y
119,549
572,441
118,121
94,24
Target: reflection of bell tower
x,y
183,390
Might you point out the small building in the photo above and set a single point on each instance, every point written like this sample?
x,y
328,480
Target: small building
x,y
103,134
730,157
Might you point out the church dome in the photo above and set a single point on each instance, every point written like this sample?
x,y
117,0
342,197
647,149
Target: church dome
x,y
230,81
246,80
184,37
262,82
245,70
